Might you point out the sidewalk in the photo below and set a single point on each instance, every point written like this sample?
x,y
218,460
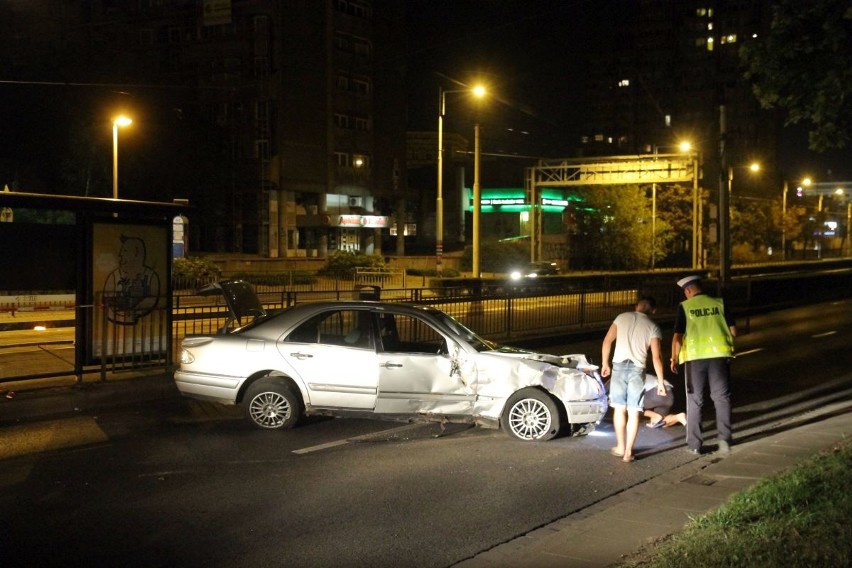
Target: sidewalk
x,y
38,420
608,532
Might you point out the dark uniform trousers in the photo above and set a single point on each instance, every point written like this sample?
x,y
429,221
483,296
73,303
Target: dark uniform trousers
x,y
700,374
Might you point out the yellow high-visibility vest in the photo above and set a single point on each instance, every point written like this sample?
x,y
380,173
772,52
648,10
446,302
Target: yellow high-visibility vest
x,y
707,333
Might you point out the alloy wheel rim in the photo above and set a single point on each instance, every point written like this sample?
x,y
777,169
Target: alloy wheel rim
x,y
269,409
530,419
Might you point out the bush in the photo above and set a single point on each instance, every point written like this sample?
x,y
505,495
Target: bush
x,y
447,272
343,264
195,268
276,278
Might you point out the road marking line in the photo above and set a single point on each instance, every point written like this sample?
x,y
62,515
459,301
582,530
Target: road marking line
x,y
51,435
826,334
357,438
749,352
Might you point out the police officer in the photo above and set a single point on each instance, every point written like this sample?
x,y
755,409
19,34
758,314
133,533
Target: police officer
x,y
703,342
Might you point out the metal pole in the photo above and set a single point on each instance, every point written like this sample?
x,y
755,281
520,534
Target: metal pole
x,y
848,220
696,242
784,222
115,160
476,202
726,176
653,224
439,204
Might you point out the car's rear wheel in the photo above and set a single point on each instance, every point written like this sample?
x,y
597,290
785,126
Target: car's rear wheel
x,y
531,414
272,405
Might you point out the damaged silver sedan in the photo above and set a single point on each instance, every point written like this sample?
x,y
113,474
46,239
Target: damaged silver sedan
x,y
386,360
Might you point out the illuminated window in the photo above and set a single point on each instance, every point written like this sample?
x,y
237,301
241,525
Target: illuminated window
x,y
668,120
710,43
409,229
624,83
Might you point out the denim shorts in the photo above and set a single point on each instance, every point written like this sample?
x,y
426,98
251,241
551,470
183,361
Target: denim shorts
x,y
627,385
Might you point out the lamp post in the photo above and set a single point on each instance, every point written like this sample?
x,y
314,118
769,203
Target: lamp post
x,y
684,147
725,225
806,181
120,120
477,202
439,201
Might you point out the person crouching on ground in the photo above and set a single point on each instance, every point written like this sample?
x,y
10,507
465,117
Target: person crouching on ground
x,y
633,334
658,407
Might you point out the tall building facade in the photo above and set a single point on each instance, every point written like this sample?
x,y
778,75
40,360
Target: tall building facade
x,y
295,108
674,65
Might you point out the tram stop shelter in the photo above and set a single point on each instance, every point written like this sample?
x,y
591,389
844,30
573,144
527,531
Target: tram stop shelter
x,y
85,285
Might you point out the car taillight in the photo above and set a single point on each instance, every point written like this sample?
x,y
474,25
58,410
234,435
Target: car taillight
x,y
186,357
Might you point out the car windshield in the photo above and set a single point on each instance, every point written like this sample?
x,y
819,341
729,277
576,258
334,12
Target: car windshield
x,y
477,342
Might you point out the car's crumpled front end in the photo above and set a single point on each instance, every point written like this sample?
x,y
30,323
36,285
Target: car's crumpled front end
x,y
579,386
570,378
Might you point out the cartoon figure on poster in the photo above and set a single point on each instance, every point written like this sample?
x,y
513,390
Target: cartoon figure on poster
x,y
132,290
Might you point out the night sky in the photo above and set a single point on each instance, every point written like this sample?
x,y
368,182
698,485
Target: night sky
x,y
535,56
531,55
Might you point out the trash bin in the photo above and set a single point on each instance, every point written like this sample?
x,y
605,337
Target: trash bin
x,y
367,292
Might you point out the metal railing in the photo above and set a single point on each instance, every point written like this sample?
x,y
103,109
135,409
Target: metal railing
x,y
499,311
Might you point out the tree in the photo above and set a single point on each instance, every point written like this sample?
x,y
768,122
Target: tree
x,y
674,225
804,67
751,229
613,229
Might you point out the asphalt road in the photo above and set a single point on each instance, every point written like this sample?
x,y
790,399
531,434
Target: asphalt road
x,y
177,482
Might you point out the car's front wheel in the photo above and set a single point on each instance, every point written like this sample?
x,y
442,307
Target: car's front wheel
x,y
531,414
272,405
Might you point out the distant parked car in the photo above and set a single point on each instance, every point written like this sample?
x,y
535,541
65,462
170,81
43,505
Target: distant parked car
x,y
535,269
385,360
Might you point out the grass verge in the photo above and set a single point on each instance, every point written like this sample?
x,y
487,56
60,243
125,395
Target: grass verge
x,y
799,518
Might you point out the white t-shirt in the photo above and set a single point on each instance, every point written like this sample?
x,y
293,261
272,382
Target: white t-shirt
x,y
635,331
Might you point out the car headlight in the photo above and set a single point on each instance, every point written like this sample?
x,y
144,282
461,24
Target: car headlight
x,y
516,275
186,357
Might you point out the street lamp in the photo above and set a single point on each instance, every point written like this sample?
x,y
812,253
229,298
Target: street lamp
x,y
684,147
805,182
477,91
120,120
724,225
477,202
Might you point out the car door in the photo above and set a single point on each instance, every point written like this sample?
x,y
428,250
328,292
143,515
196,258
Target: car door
x,y
334,357
419,369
